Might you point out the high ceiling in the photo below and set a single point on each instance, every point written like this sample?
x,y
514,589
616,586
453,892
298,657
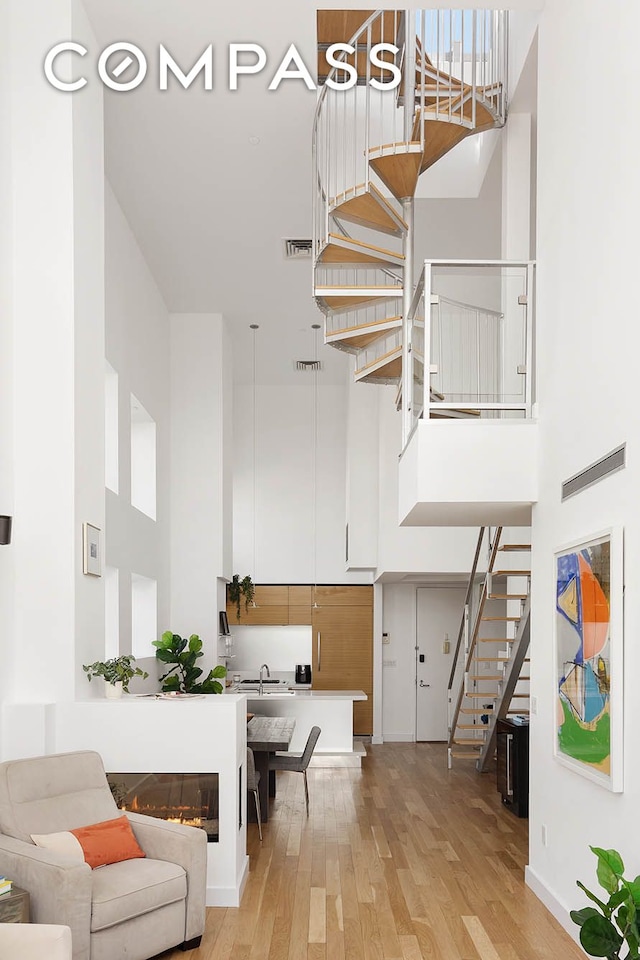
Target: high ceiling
x,y
210,206
211,182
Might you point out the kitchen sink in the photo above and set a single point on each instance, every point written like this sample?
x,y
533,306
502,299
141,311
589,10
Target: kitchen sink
x,y
255,683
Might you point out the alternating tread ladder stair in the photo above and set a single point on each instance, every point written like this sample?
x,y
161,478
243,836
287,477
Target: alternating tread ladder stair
x,y
488,688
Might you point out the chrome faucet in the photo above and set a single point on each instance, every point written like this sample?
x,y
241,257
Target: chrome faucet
x,y
263,667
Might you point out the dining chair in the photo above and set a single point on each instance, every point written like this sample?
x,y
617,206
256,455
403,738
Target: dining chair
x,y
253,779
297,762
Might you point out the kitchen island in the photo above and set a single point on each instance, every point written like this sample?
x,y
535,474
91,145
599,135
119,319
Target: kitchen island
x,y
331,710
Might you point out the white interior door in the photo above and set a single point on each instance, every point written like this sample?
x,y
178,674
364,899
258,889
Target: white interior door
x,y
438,614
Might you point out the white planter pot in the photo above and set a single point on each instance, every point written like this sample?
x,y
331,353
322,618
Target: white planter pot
x,y
113,691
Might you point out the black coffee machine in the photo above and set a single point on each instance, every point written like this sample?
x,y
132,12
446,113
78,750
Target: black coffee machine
x,y
303,673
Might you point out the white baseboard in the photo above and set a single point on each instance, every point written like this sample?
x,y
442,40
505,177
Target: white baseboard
x,y
398,738
555,906
229,896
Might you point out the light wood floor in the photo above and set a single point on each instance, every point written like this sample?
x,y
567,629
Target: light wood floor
x,y
399,860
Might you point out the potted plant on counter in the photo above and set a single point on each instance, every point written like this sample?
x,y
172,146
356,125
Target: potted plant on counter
x,y
241,591
610,925
184,676
116,673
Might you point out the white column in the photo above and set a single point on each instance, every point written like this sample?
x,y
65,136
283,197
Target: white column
x,y
201,472
52,281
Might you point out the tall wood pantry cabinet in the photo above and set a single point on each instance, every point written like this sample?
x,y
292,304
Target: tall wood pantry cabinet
x,y
342,646
342,634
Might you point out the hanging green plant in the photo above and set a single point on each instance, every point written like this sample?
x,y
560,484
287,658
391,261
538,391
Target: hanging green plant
x,y
183,676
241,591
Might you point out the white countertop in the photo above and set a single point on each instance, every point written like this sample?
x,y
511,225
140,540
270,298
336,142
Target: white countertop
x,y
303,695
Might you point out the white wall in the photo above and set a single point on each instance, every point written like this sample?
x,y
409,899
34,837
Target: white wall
x,y
51,182
587,290
202,458
444,605
137,347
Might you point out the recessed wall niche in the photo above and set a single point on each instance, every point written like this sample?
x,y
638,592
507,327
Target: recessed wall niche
x,y
144,615
143,459
111,612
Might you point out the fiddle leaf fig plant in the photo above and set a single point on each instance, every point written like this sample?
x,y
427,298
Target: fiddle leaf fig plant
x,y
241,591
612,924
183,676
116,670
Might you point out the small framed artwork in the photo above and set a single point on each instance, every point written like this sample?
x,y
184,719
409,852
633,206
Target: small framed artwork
x,y
588,657
91,550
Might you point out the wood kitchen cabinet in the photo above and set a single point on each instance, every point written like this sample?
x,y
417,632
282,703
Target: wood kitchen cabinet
x,y
342,634
342,646
271,609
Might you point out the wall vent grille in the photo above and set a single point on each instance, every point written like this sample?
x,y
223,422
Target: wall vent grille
x,y
308,365
611,463
297,249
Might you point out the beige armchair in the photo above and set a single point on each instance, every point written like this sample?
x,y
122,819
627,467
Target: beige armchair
x,y
135,908
35,941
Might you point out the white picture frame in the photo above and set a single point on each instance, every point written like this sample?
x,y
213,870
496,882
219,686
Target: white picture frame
x,y
588,646
91,550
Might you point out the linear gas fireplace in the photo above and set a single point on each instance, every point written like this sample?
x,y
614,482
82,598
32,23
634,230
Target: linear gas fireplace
x,y
190,798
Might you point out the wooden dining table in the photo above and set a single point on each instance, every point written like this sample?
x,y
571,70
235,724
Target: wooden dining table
x,y
266,736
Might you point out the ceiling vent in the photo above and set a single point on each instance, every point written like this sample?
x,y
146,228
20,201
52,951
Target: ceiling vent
x,y
611,463
297,249
308,365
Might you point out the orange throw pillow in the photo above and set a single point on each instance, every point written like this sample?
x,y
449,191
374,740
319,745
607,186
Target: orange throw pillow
x,y
98,844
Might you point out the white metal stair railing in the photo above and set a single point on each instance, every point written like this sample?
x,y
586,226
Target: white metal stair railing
x,y
467,702
370,146
479,359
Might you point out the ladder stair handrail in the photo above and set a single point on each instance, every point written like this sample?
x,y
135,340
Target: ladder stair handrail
x,y
486,586
520,645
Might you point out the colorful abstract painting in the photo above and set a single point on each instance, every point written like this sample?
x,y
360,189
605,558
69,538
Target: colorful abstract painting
x,y
585,593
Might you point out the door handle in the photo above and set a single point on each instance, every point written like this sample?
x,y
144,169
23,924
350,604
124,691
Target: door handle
x,y
423,684
318,648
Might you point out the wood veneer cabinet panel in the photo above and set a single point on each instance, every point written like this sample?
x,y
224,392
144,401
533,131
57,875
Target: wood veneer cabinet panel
x,y
267,596
300,615
300,596
261,616
342,654
272,607
343,595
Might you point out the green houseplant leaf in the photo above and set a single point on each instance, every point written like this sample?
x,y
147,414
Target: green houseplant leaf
x,y
604,931
183,675
115,670
600,938
241,591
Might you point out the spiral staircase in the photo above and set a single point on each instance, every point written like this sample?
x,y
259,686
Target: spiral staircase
x,y
370,147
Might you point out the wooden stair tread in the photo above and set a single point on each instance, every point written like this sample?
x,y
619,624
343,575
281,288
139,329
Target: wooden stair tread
x,y
460,755
398,170
369,208
477,710
486,696
490,659
507,596
502,619
494,640
510,573
468,741
515,547
342,249
471,726
489,676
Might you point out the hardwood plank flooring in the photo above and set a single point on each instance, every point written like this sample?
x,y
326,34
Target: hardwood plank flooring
x,y
400,859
